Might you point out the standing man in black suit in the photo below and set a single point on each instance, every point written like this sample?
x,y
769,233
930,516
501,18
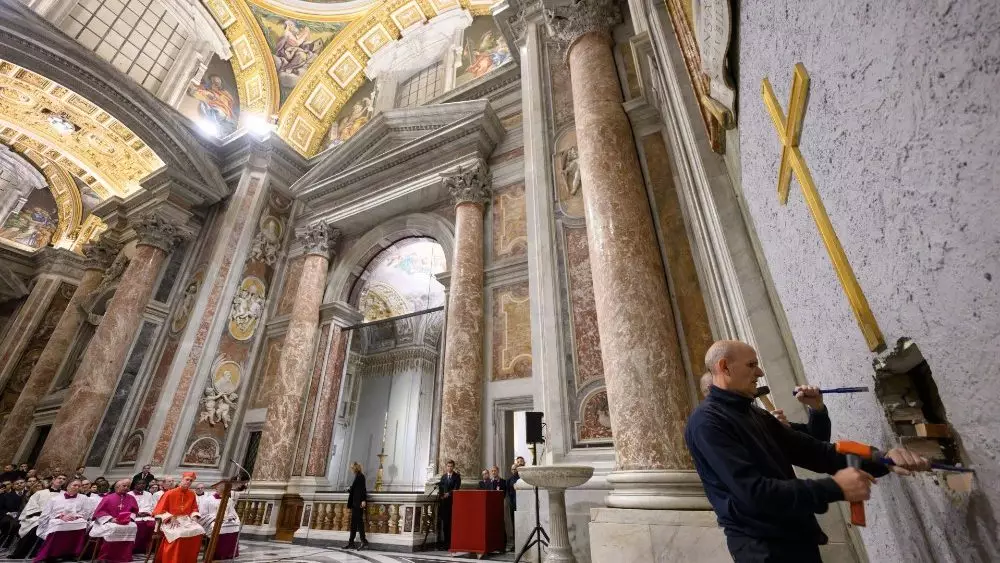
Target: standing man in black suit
x,y
450,481
357,501
11,504
143,475
496,482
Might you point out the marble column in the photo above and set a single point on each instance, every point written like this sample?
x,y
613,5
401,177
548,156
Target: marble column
x,y
462,393
648,394
99,257
277,443
102,364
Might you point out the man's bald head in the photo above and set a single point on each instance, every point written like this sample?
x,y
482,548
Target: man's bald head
x,y
734,366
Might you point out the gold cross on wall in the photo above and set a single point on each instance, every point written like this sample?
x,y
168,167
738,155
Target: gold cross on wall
x,y
789,132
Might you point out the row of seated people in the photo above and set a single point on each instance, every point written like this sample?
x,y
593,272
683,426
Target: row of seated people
x,y
56,523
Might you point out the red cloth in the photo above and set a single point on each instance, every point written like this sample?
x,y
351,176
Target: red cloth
x,y
477,521
178,502
62,544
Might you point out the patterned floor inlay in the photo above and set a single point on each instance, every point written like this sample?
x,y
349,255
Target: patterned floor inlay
x,y
270,552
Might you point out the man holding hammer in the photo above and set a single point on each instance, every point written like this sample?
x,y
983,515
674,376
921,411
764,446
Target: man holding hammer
x,y
819,425
744,457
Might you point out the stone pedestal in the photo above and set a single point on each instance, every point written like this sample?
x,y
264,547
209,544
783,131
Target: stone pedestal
x,y
648,393
99,257
88,396
656,536
462,394
277,443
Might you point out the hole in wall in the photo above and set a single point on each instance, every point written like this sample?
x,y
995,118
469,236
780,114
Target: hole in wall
x,y
905,386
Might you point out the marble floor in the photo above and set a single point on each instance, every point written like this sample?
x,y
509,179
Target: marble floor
x,y
265,552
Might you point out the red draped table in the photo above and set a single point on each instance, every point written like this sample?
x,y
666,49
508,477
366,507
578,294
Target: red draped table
x,y
477,522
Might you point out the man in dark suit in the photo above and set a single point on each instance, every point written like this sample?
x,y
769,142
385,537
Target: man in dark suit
x,y
451,481
357,501
143,475
496,482
11,504
484,480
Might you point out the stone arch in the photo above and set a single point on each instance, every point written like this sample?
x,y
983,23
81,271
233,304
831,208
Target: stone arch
x,y
350,266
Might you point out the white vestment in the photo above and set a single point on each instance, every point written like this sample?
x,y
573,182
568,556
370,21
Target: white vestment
x,y
60,506
177,527
146,504
33,510
156,496
209,510
200,499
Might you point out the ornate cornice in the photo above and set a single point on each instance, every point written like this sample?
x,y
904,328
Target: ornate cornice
x,y
573,21
318,238
471,185
100,254
155,231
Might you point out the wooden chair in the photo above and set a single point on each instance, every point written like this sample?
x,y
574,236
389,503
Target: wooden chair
x,y
92,543
154,542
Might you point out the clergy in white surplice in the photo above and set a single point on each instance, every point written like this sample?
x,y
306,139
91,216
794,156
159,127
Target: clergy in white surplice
x,y
113,522
227,546
144,520
63,524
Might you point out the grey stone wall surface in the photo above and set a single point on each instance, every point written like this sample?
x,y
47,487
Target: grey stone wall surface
x,y
902,135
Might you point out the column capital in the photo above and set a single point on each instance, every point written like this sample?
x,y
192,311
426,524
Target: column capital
x,y
318,239
470,185
572,21
158,232
100,254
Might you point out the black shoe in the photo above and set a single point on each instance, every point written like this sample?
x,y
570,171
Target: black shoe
x,y
350,546
364,545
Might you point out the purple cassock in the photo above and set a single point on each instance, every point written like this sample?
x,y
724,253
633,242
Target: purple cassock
x,y
113,523
63,526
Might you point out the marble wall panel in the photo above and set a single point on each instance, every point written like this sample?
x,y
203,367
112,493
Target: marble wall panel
x,y
28,310
319,451
291,283
305,422
511,332
510,231
227,382
560,86
212,308
113,415
595,418
690,301
583,314
31,353
266,371
170,272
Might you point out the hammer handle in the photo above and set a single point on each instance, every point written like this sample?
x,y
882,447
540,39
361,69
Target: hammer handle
x,y
840,390
857,507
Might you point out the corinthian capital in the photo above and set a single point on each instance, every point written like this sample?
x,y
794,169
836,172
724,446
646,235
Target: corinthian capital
x,y
580,17
318,238
470,185
100,254
158,232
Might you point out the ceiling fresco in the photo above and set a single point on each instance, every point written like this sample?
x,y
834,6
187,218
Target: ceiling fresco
x,y
84,153
298,62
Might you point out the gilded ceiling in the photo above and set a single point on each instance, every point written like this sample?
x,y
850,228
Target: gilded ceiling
x,y
298,62
67,136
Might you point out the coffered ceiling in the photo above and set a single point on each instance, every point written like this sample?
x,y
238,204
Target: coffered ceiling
x,y
353,32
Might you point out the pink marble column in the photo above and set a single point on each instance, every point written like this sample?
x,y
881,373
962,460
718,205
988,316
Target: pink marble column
x,y
99,257
101,365
644,371
462,392
277,443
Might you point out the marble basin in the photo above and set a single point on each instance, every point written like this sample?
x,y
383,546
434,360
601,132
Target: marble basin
x,y
556,476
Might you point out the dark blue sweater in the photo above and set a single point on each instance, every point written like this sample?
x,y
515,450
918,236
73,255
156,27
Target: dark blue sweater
x,y
744,457
819,425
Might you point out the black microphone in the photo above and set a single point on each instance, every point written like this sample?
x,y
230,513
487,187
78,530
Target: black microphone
x,y
761,391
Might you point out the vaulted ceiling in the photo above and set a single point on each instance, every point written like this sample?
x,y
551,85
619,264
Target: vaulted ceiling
x,y
343,35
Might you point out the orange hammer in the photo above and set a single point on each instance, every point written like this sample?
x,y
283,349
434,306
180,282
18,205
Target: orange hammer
x,y
855,452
